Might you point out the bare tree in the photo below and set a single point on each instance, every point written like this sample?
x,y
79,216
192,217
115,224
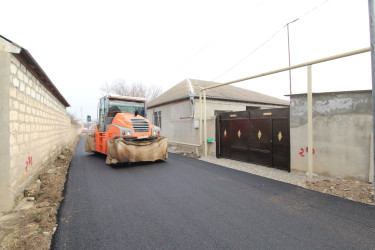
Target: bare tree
x,y
137,89
118,87
73,118
153,92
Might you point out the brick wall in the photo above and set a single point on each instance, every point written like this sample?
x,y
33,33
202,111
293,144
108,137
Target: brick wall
x,y
38,124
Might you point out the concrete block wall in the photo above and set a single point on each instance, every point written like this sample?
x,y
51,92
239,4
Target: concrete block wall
x,y
39,128
342,126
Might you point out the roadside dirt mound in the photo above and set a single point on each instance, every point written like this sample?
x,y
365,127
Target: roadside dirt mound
x,y
183,153
32,223
348,189
191,155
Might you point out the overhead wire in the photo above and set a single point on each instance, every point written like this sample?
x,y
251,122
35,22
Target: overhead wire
x,y
214,39
252,52
269,39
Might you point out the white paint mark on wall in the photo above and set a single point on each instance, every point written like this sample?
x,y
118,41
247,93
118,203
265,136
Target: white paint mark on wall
x,y
328,106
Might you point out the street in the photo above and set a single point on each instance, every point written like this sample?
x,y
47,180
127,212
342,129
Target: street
x,y
184,203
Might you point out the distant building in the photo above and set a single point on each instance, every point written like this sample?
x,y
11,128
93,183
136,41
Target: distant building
x,y
177,111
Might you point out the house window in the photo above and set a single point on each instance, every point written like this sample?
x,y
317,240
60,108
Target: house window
x,y
157,119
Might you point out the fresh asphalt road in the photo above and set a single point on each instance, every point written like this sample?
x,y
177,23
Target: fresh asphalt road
x,y
184,203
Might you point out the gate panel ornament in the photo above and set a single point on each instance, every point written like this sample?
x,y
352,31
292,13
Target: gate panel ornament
x,y
225,133
280,136
259,135
239,134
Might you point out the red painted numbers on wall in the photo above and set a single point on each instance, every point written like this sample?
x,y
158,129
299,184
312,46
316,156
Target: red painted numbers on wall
x,y
302,152
29,162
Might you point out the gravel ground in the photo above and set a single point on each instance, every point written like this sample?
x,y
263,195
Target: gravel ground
x,y
294,178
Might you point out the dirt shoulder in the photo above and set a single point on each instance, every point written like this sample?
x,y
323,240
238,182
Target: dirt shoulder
x,y
33,222
348,189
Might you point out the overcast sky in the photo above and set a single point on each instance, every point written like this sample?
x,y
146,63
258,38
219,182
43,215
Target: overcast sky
x,y
83,44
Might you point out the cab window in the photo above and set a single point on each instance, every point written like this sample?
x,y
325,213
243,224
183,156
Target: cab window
x,y
101,114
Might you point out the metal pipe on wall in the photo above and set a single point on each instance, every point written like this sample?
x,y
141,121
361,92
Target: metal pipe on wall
x,y
200,127
308,64
205,123
201,118
325,59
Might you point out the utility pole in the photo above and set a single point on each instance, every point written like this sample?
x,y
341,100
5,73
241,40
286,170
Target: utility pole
x,y
371,10
290,72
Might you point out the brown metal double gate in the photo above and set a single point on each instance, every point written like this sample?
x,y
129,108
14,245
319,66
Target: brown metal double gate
x,y
260,136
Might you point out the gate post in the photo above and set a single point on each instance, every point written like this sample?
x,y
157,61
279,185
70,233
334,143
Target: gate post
x,y
371,10
217,135
205,123
309,124
200,120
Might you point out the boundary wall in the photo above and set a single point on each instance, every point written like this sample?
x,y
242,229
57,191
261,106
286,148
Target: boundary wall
x,y
35,128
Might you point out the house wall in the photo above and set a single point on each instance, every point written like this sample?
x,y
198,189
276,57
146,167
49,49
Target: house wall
x,y
342,126
172,126
178,128
37,129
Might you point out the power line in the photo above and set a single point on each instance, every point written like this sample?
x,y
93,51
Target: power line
x,y
313,9
252,52
195,54
269,39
